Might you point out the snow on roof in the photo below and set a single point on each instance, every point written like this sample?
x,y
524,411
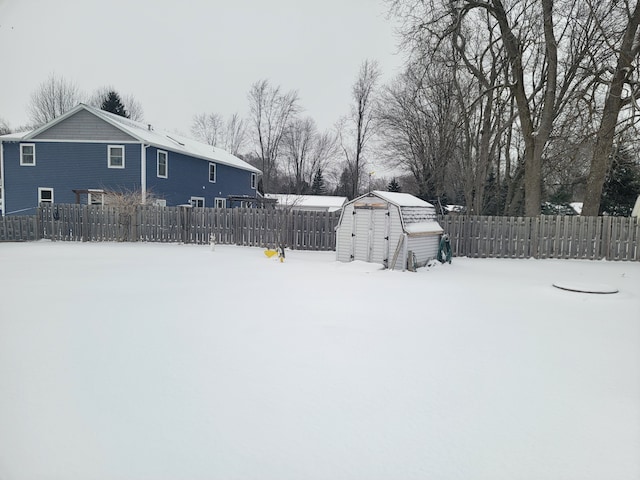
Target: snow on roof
x,y
402,199
636,208
577,206
424,227
158,138
15,136
332,203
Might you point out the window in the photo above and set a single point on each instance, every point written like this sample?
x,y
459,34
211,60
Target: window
x,y
95,198
221,202
116,156
160,202
197,201
27,154
212,172
163,164
45,195
253,181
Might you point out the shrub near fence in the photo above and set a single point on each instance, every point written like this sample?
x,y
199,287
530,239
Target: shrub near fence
x,y
594,238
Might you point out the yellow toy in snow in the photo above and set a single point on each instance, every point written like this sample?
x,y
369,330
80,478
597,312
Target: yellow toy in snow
x,y
271,253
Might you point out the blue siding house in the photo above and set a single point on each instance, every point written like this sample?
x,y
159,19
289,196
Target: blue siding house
x,y
87,151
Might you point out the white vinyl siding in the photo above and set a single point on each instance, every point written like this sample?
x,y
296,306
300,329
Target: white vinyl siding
x,y
115,154
27,154
45,195
343,235
163,164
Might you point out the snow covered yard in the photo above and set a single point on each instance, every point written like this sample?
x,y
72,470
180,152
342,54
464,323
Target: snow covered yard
x,y
149,361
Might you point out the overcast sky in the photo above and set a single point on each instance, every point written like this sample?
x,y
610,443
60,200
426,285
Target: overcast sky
x,y
179,58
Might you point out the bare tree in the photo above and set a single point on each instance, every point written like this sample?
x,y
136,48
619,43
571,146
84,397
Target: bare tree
x,y
52,98
208,127
420,128
357,129
627,49
271,112
547,50
212,129
306,151
236,134
4,127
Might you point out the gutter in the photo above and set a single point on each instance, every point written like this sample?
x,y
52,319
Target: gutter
x,y
143,172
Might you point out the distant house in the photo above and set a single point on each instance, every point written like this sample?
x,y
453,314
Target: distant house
x,y
315,203
86,151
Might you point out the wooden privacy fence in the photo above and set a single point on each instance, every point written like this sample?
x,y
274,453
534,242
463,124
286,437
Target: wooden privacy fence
x,y
613,238
298,230
21,228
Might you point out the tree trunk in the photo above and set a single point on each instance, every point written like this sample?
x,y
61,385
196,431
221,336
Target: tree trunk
x,y
606,132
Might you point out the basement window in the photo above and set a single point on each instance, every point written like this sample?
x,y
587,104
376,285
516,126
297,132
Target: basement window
x,y
45,195
197,202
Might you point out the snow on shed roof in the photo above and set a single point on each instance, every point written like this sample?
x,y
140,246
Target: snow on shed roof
x,y
309,201
424,227
158,138
402,199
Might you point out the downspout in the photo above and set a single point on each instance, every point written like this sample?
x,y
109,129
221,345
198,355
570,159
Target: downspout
x,y
143,172
2,195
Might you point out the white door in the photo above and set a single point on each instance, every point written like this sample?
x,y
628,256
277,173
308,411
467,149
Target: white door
x,y
370,232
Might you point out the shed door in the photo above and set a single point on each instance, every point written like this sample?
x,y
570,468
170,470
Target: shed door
x,y
370,228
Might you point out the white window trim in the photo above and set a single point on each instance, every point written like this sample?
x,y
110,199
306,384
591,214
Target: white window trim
x,y
215,172
254,181
196,198
42,189
22,163
166,164
96,193
220,199
160,202
109,147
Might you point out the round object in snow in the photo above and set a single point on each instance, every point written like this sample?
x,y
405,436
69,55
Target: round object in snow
x,y
585,287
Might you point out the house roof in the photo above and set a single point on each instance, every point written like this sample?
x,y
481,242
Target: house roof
x,y
329,202
15,136
146,134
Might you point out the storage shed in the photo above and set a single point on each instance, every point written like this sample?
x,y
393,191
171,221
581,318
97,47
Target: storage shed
x,y
393,229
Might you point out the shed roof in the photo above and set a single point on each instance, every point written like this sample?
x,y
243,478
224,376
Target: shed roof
x,y
402,199
147,134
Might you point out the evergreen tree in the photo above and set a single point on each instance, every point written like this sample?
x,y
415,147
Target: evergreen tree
x,y
393,186
318,187
621,187
113,103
